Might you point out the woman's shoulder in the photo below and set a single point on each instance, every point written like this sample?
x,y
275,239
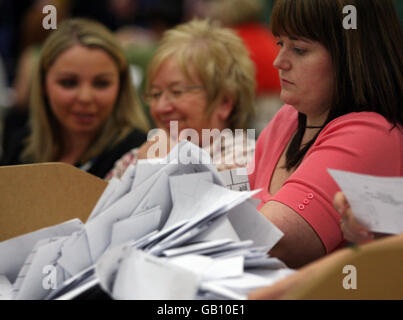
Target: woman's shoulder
x,y
136,136
106,160
134,139
364,124
364,117
364,135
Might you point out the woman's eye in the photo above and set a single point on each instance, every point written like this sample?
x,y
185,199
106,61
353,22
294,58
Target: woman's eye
x,y
177,92
67,83
101,84
279,43
155,95
299,51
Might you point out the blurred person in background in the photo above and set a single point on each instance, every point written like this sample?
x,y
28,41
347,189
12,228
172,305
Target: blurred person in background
x,y
84,109
202,77
245,17
31,35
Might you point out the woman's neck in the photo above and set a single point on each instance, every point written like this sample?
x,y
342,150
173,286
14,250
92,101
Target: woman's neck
x,y
317,120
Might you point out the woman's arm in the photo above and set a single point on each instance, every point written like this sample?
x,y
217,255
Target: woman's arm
x,y
300,244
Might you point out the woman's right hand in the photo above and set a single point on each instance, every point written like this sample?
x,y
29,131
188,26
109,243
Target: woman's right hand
x,y
144,148
352,230
159,150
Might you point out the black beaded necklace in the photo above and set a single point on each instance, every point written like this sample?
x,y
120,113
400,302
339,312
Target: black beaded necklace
x,y
313,127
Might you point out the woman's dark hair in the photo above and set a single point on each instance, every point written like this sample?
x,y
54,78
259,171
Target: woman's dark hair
x,y
367,61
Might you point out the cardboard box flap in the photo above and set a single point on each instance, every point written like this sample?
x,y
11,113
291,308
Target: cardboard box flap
x,y
374,272
41,195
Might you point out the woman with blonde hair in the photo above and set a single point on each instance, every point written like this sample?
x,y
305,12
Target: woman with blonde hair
x,y
83,107
201,77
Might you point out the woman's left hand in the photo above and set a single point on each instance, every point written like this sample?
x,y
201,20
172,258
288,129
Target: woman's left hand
x,y
352,230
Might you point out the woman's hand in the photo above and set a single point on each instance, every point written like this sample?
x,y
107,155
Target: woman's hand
x,y
352,230
155,148
143,150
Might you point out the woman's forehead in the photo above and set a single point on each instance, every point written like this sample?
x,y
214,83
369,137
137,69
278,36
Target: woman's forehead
x,y
176,70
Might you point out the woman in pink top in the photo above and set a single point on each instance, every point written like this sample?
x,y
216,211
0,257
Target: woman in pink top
x,y
343,92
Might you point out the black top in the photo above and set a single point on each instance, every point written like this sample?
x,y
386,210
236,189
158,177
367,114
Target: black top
x,y
98,166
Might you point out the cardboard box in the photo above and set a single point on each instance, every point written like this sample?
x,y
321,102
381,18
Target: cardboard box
x,y
376,267
41,195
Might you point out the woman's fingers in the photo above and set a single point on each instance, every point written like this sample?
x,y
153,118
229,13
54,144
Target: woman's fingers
x,y
352,230
340,202
355,235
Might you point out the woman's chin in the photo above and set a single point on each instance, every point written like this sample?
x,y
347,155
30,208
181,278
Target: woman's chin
x,y
288,98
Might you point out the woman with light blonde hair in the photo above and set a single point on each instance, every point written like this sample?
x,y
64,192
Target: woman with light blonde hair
x,y
200,76
84,109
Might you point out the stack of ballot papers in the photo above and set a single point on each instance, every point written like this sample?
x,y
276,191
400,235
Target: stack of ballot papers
x,y
168,229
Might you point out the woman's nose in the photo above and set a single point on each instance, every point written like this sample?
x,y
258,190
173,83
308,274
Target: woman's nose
x,y
282,62
164,104
85,94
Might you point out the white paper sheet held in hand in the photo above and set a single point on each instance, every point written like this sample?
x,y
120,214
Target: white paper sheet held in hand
x,y
377,202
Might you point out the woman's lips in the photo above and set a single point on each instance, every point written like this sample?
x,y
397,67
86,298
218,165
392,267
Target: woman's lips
x,y
286,82
84,118
167,123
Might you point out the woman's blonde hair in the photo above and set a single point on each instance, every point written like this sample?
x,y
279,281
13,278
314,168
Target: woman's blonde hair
x,y
45,143
219,58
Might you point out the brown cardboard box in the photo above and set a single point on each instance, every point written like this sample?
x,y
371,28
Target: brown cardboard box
x,y
41,195
372,271
378,270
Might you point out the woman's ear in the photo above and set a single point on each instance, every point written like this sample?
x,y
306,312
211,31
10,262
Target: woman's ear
x,y
225,107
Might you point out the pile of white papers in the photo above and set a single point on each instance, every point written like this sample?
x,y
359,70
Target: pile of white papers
x,y
168,229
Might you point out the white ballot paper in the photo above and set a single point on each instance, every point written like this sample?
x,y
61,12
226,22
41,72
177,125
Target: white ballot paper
x,y
14,251
235,179
34,280
377,202
104,199
208,268
142,276
5,288
75,253
119,189
135,227
171,228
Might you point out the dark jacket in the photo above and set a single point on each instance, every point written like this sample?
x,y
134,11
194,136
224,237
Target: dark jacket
x,y
99,166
